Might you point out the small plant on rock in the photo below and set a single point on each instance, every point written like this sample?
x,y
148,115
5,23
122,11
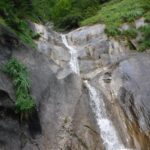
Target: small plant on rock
x,y
18,72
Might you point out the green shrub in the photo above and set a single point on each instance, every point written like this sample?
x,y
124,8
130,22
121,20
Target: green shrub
x,y
22,29
67,14
116,12
69,21
130,33
16,13
147,17
144,43
131,15
19,75
112,31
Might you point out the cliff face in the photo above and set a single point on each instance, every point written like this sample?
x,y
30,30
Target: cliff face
x,y
65,118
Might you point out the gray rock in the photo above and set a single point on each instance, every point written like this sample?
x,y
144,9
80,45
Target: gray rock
x,y
133,89
140,22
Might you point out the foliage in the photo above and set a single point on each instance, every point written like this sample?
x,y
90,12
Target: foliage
x,y
18,72
67,14
112,31
116,12
23,31
147,17
130,33
144,43
16,13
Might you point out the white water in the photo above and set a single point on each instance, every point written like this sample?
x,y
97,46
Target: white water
x,y
74,56
108,133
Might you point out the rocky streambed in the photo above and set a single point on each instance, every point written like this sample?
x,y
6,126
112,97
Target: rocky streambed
x,y
91,92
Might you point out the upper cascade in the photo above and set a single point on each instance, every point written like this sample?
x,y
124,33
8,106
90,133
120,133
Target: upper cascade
x,y
74,56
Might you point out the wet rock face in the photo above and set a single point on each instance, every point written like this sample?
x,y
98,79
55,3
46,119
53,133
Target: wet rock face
x,y
85,133
113,70
58,95
134,90
122,76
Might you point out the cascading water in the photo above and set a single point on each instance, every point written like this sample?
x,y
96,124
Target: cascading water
x,y
74,56
108,133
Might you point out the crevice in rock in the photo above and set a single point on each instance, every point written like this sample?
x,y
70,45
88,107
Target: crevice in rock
x,y
34,124
5,99
91,129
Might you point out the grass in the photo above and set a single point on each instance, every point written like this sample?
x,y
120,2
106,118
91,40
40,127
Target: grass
x,y
19,75
21,28
16,15
131,33
115,13
144,43
147,17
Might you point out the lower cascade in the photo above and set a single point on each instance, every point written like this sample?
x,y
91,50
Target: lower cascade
x,y
108,133
74,60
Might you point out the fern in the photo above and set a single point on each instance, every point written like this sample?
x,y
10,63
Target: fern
x,y
18,72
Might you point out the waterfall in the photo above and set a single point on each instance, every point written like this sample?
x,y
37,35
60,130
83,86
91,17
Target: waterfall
x,y
108,133
74,56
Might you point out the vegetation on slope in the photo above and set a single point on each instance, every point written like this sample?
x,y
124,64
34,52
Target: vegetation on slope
x,y
116,12
17,13
69,14
65,14
144,43
19,75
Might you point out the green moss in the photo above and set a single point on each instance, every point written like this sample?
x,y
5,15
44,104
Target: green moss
x,y
19,75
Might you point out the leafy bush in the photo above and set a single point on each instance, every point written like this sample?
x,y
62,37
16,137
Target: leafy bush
x,y
67,14
130,33
70,21
116,12
16,13
144,43
18,72
24,32
147,17
112,31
